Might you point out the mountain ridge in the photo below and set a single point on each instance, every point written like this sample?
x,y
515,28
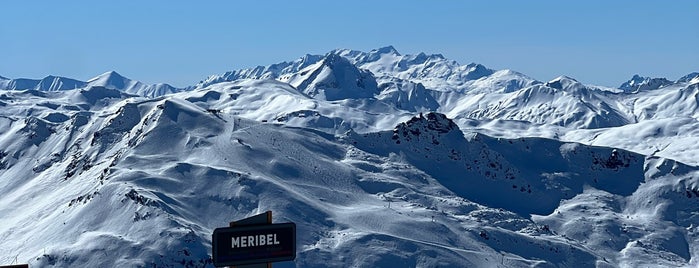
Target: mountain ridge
x,y
381,159
173,165
472,94
110,79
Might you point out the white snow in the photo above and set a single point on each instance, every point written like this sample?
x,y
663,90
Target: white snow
x,y
116,81
381,159
109,80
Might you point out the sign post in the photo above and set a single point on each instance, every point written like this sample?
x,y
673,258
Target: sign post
x,y
254,243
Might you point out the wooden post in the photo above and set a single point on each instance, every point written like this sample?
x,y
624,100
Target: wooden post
x,y
264,218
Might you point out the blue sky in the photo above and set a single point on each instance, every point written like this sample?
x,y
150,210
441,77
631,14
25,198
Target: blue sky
x,y
182,42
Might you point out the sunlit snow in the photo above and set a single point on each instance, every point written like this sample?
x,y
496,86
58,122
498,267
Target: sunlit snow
x,y
381,159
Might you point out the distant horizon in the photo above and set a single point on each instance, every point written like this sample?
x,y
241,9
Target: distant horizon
x,y
596,42
288,60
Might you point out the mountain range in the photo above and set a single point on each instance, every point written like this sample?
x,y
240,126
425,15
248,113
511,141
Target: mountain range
x,y
109,79
381,160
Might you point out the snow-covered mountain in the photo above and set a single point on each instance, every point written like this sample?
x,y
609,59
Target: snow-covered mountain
x,y
562,101
49,83
688,78
435,71
474,95
381,159
263,72
109,80
333,78
114,168
433,83
116,81
637,83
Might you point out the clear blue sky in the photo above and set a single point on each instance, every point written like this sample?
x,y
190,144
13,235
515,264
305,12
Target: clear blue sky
x,y
182,42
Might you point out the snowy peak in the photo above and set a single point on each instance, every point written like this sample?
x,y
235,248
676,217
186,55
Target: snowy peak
x,y
377,54
573,86
636,79
334,78
306,61
110,79
433,71
688,78
563,82
275,71
385,50
475,71
409,60
638,83
48,83
332,60
358,57
114,80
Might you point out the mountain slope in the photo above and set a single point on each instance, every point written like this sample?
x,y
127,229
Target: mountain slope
x,y
278,102
381,159
638,83
435,71
143,182
116,81
109,80
49,83
688,78
562,101
493,101
676,101
333,78
263,72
